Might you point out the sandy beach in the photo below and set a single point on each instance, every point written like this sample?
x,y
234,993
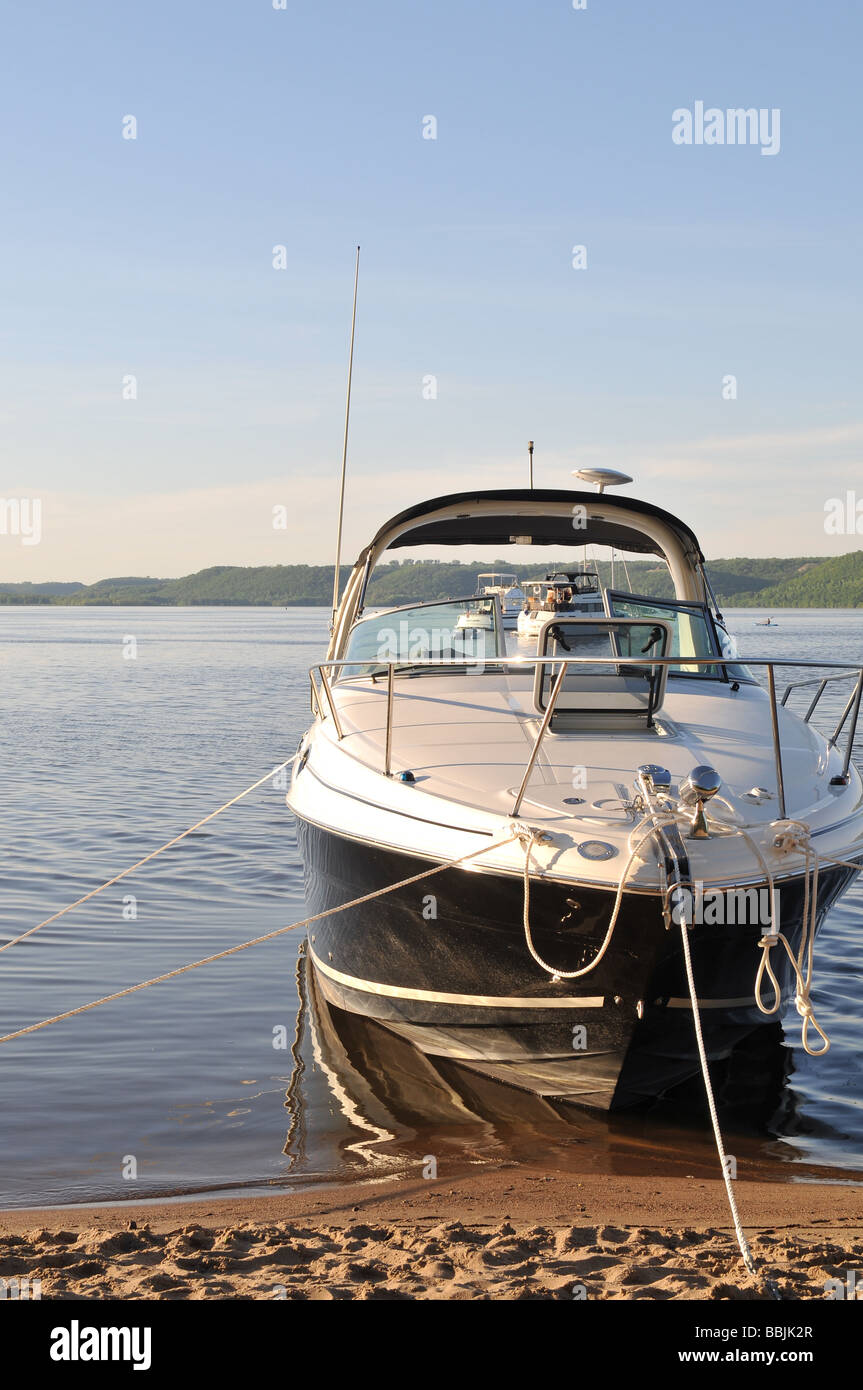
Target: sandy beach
x,y
494,1234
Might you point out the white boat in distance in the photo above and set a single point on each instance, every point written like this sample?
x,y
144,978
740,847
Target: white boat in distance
x,y
567,798
572,593
511,596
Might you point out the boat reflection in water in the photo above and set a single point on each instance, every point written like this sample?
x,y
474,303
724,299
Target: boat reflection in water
x,y
389,1105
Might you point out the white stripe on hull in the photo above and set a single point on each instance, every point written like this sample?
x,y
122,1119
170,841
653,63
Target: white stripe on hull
x,y
479,1001
499,1001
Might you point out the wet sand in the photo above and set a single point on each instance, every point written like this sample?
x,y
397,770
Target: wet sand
x,y
503,1233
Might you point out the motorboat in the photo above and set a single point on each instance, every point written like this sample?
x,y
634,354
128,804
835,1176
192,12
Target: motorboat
x,y
478,616
528,843
508,590
574,592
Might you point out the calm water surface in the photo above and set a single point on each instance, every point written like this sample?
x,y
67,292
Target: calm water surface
x,y
229,1078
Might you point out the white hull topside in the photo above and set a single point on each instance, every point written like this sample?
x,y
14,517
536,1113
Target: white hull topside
x,y
467,738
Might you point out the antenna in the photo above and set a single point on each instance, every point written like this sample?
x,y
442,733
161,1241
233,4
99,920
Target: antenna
x,y
530,461
345,449
602,477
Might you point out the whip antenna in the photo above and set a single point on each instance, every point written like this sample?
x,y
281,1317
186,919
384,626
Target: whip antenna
x,y
345,449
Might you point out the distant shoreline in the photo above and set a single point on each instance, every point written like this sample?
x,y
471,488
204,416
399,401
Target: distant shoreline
x,y
781,582
6,602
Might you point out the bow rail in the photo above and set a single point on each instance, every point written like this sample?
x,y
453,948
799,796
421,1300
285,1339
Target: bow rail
x,y
324,704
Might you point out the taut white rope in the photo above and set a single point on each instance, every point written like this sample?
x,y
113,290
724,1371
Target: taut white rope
x,y
147,857
268,936
714,1118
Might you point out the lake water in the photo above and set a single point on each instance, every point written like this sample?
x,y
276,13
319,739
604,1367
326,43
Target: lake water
x,y
179,1088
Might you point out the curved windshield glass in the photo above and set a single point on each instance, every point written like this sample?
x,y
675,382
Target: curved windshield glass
x,y
464,628
692,632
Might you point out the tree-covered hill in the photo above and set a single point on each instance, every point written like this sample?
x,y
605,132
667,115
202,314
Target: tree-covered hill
x,y
775,583
835,583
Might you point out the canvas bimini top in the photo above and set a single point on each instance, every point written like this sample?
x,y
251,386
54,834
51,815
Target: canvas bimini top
x,y
525,516
489,518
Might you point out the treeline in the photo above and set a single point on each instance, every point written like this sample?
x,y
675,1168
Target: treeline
x,y
773,583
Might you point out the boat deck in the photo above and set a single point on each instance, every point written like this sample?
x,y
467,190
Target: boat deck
x,y
467,739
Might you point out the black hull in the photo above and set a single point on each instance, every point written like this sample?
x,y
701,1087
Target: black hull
x,y
461,984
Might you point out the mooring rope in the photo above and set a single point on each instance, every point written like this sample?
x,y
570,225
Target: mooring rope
x,y
147,857
798,837
256,941
742,1242
795,834
530,837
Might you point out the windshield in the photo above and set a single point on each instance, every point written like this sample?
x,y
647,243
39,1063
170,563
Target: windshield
x,y
585,584
466,627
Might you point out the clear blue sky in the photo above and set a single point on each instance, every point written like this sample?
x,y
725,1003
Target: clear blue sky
x,y
303,127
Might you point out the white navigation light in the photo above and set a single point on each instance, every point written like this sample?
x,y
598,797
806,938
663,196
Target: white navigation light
x,y
702,783
602,477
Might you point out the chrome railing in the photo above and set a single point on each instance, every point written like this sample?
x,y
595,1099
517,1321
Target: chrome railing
x,y
327,707
822,682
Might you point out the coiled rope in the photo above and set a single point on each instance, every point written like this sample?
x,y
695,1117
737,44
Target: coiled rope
x,y
794,834
528,838
791,834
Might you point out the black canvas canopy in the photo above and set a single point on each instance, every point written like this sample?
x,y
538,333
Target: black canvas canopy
x,y
541,523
